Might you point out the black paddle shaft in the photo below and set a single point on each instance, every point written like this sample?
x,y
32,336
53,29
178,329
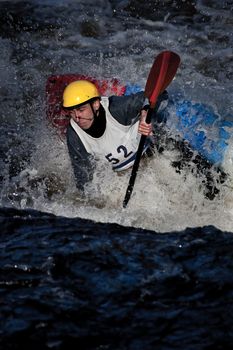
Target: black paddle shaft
x,y
161,74
136,163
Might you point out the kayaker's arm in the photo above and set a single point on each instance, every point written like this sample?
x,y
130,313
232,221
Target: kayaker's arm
x,y
81,160
126,109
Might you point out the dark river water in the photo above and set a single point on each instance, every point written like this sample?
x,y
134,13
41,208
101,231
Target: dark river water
x,y
73,283
85,273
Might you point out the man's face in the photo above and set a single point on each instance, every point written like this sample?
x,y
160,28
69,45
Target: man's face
x,y
83,116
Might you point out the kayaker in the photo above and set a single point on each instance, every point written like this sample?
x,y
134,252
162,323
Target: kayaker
x,y
103,128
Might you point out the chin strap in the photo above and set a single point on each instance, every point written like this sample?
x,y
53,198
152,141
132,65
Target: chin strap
x,y
93,111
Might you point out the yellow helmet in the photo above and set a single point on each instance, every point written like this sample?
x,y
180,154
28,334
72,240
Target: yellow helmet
x,y
79,92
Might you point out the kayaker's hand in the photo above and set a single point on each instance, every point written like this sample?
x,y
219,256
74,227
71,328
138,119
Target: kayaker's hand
x,y
144,128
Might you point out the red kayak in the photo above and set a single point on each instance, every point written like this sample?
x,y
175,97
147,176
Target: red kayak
x,y
193,120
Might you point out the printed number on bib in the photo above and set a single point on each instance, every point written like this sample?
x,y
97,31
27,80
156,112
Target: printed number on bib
x,y
120,149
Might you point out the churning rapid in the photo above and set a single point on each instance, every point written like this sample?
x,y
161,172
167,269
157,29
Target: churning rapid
x,y
111,39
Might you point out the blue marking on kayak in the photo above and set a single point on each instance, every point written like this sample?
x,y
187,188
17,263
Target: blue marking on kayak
x,y
204,130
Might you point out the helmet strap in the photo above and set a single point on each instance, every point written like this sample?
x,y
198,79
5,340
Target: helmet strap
x,y
93,111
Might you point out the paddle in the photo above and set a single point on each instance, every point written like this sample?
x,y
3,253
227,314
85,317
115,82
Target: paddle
x,y
161,74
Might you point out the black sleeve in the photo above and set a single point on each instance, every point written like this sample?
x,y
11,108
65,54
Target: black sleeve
x,y
126,109
82,161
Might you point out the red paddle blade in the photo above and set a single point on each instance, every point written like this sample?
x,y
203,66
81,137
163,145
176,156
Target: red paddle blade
x,y
161,74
